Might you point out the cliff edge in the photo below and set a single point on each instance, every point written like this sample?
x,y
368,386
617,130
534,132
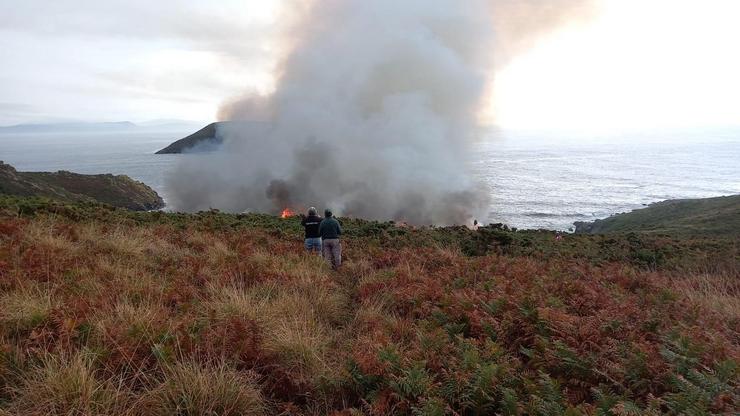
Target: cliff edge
x,y
117,190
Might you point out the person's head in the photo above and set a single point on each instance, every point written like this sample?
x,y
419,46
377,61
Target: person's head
x,y
327,213
312,211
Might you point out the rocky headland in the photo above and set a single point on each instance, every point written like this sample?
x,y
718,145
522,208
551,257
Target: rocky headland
x,y
210,137
116,190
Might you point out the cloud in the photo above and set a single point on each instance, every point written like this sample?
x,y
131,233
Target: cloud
x,y
153,59
190,24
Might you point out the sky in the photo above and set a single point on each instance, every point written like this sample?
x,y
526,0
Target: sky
x,y
633,63
129,59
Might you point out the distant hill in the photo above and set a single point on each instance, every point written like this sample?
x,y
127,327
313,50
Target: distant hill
x,y
117,190
104,127
710,216
68,127
211,136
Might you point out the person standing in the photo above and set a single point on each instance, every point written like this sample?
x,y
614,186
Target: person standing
x,y
330,230
313,238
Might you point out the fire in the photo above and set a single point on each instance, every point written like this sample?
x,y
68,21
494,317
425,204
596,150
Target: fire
x,y
287,212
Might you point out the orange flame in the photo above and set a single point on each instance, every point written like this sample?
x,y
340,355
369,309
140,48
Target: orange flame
x,y
287,212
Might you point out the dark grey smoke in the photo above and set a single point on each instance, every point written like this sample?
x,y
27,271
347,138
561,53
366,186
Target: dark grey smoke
x,y
373,115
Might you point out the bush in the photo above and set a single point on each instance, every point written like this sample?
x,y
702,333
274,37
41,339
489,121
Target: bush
x,y
191,389
24,309
66,385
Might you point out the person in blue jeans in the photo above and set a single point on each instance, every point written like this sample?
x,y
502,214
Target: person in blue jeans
x,y
313,238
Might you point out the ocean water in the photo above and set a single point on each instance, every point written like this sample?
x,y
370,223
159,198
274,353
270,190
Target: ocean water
x,y
535,179
547,180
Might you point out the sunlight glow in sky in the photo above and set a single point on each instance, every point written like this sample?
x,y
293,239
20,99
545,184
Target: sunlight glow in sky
x,y
640,63
636,63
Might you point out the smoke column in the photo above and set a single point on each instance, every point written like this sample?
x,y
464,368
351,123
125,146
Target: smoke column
x,y
375,107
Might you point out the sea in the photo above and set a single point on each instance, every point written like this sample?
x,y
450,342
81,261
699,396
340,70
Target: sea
x,y
536,179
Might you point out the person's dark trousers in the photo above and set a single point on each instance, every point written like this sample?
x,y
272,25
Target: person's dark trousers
x,y
332,249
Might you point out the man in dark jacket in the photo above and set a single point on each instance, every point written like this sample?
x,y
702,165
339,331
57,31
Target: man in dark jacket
x,y
330,230
313,238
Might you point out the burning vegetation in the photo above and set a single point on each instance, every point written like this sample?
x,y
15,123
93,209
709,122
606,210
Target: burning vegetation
x,y
106,311
286,213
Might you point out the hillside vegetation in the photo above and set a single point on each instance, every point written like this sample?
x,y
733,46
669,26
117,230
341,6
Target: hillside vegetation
x,y
117,190
105,311
707,216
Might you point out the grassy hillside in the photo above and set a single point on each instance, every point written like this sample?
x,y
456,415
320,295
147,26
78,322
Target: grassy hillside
x,y
120,191
106,311
709,216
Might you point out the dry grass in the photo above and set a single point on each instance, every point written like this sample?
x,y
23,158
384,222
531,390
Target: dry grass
x,y
296,320
190,388
67,385
136,319
118,242
302,345
44,235
24,308
718,292
236,300
193,320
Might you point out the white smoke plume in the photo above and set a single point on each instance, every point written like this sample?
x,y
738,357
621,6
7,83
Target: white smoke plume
x,y
375,107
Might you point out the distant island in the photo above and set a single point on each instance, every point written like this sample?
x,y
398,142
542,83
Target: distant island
x,y
718,216
210,137
68,127
99,127
116,190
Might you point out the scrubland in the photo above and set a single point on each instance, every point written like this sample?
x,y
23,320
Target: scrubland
x,y
109,312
